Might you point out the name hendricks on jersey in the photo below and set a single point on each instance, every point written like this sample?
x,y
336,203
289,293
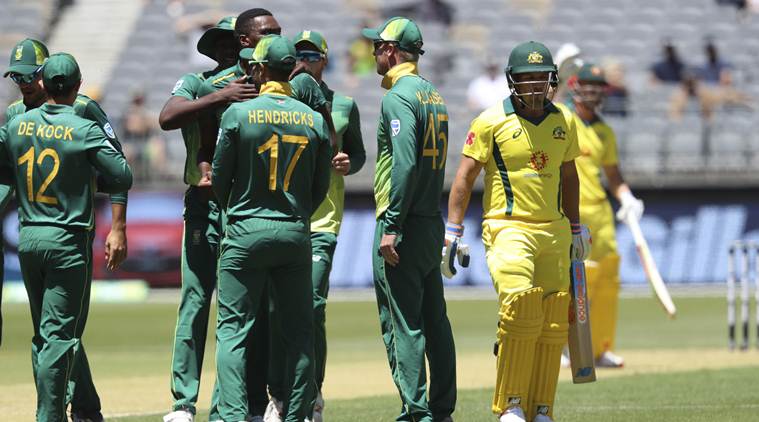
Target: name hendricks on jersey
x,y
280,117
45,131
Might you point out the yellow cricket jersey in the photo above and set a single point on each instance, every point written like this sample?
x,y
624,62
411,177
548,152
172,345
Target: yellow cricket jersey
x,y
522,161
598,148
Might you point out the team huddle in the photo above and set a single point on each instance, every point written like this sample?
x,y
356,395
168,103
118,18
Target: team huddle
x,y
268,146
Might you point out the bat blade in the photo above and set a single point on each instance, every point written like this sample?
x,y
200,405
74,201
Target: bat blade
x,y
580,345
649,265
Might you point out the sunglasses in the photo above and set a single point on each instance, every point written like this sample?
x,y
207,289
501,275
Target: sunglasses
x,y
309,56
25,79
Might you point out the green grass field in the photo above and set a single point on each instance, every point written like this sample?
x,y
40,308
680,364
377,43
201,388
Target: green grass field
x,y
676,370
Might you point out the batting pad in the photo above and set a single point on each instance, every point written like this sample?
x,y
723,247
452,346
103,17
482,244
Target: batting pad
x,y
604,297
518,330
545,368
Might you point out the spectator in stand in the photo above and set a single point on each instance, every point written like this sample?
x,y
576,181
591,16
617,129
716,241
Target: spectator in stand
x,y
488,88
424,11
715,71
671,68
691,98
144,149
616,103
360,56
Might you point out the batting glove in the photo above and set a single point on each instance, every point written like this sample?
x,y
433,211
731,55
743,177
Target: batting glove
x,y
629,206
581,241
453,248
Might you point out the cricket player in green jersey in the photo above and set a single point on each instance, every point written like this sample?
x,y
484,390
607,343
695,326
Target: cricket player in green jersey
x,y
203,225
55,157
25,69
312,50
412,139
271,171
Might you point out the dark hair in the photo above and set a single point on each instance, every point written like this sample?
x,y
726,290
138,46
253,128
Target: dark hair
x,y
245,20
58,87
279,75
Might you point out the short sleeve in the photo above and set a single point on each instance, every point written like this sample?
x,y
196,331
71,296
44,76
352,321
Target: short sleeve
x,y
187,86
573,145
307,90
610,156
479,140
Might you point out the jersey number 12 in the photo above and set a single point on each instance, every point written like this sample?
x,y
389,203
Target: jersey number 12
x,y
28,158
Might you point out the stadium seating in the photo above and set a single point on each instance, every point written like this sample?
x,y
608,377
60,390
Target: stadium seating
x,y
630,32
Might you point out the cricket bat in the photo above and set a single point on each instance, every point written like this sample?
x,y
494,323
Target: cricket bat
x,y
580,346
652,272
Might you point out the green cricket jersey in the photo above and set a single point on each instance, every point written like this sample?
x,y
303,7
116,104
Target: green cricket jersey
x,y
272,157
304,87
412,144
188,86
54,156
89,109
329,215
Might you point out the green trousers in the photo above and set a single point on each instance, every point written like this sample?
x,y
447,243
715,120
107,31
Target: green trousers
x,y
255,251
414,322
56,264
203,227
322,250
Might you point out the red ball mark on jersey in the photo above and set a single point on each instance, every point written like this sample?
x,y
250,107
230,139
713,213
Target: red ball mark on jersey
x,y
470,138
538,160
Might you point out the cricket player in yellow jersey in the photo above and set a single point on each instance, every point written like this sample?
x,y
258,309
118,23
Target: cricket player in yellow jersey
x,y
531,228
598,151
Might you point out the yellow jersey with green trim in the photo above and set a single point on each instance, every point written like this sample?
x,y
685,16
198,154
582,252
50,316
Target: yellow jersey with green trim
x,y
522,160
598,148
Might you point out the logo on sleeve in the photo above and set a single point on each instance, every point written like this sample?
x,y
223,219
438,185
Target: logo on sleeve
x,y
516,133
177,86
109,130
395,126
469,138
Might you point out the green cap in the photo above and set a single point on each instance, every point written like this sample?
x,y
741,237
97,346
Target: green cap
x,y
591,73
312,37
207,42
275,50
530,56
26,57
60,72
398,29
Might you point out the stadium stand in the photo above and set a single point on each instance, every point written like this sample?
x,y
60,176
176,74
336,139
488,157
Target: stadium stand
x,y
655,152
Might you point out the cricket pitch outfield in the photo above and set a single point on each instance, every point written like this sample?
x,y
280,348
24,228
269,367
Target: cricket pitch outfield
x,y
679,367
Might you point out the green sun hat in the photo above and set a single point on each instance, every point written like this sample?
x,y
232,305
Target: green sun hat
x,y
207,42
275,51
590,72
402,30
60,72
26,57
314,38
530,56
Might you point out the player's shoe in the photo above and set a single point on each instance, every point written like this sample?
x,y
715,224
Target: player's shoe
x,y
178,416
542,418
273,411
318,415
95,416
513,414
610,360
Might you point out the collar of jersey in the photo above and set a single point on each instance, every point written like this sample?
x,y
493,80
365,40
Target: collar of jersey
x,y
276,88
398,71
508,106
56,108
